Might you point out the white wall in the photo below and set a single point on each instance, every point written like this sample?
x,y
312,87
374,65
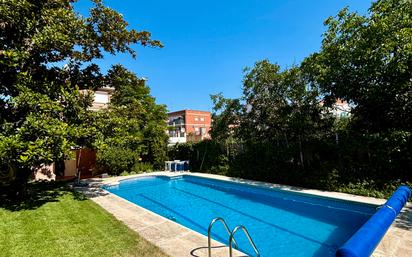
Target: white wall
x,y
174,140
101,97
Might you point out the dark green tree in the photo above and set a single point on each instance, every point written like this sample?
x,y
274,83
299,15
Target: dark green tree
x,y
280,106
42,111
225,117
133,124
272,129
367,61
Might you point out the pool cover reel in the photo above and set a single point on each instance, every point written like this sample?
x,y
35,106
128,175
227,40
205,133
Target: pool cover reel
x,y
365,240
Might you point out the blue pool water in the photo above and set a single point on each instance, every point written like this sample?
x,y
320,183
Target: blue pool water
x,y
281,223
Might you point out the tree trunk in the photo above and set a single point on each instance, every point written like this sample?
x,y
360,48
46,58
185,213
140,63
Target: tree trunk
x,y
301,152
19,184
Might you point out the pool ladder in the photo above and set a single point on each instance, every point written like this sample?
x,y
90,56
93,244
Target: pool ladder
x,y
231,236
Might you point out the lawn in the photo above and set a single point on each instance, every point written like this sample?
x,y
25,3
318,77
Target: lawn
x,y
55,221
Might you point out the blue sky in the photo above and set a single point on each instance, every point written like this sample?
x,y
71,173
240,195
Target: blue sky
x,y
208,43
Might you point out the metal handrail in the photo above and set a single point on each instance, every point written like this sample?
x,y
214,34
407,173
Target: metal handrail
x,y
209,230
231,239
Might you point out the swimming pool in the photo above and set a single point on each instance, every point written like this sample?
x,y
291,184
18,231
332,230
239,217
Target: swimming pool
x,y
281,223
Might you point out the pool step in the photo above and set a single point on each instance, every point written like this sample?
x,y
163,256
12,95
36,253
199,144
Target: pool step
x,y
231,236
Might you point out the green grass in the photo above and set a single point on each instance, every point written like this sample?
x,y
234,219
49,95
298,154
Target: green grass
x,y
55,221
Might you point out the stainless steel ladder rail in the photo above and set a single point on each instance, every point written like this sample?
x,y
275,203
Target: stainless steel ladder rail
x,y
231,239
209,230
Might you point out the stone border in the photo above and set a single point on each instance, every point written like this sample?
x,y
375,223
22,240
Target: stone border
x,y
177,240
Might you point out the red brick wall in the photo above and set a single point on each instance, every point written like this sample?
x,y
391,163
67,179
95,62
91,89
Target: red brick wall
x,y
199,120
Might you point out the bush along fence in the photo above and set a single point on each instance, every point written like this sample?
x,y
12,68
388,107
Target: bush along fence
x,y
359,165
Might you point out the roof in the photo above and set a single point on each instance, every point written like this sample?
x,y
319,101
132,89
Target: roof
x,y
187,110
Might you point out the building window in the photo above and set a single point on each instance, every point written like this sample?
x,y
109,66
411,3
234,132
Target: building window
x,y
101,97
202,119
196,119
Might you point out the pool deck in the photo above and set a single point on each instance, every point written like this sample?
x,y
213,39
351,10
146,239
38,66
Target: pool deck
x,y
179,241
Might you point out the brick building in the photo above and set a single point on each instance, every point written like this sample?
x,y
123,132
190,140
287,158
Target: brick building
x,y
188,126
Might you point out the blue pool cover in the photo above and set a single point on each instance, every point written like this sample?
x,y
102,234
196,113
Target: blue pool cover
x,y
365,240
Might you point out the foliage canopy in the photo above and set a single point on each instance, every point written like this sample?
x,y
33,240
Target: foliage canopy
x,y
42,109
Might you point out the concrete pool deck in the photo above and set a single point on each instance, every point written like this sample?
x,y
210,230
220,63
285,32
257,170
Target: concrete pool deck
x,y
179,241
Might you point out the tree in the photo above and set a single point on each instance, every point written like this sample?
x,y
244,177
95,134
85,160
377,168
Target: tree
x,y
134,124
280,106
275,124
42,111
225,117
367,61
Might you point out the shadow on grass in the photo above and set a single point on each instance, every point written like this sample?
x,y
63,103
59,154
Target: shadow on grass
x,y
38,193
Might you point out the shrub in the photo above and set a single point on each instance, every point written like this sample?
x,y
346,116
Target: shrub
x,y
140,167
124,173
359,164
115,160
